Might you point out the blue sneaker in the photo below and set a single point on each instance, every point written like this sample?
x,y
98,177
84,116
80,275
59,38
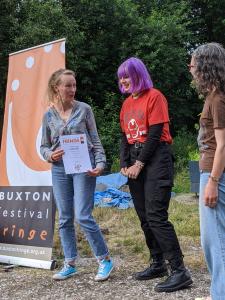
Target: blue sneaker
x,y
104,270
66,272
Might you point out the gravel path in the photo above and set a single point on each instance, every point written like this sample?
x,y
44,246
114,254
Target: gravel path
x,y
27,283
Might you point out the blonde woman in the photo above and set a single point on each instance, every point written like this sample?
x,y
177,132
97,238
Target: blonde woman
x,y
74,193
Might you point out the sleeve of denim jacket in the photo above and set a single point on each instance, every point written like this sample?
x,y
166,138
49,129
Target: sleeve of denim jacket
x,y
99,153
46,144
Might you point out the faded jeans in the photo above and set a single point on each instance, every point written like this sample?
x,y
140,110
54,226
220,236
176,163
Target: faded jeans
x,y
212,224
74,196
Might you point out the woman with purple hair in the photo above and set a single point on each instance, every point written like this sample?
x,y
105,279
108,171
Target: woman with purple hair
x,y
146,159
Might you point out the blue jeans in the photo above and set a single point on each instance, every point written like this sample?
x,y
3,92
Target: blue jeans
x,y
212,224
74,196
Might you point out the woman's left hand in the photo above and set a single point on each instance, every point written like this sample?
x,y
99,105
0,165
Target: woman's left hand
x,y
95,172
133,172
211,194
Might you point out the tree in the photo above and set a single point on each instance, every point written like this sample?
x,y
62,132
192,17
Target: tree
x,y
107,27
164,46
155,31
208,20
40,22
8,23
101,34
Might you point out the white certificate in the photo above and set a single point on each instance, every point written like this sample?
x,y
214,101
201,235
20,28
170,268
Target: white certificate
x,y
76,157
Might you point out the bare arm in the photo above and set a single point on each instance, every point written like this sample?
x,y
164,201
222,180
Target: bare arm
x,y
211,189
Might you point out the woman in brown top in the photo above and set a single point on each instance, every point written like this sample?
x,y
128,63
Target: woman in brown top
x,y
208,70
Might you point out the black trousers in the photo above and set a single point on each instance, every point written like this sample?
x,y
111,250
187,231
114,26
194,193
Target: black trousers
x,y
151,193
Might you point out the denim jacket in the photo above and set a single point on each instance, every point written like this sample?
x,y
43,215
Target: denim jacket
x,y
81,121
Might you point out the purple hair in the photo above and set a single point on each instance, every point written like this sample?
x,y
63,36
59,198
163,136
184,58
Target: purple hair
x,y
139,76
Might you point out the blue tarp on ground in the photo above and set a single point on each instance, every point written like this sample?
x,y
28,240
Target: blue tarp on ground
x,y
113,197
107,192
115,180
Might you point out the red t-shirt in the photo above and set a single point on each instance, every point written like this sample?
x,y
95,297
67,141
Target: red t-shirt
x,y
137,115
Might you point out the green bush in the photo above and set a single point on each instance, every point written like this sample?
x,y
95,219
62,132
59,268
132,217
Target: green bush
x,y
184,149
115,167
193,155
107,119
182,182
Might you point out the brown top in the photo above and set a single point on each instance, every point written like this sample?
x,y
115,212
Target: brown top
x,y
212,117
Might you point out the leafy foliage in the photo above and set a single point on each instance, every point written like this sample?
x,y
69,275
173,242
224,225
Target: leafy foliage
x,y
7,33
101,34
107,120
184,146
107,28
209,20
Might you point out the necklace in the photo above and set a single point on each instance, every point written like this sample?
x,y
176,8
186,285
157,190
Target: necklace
x,y
136,96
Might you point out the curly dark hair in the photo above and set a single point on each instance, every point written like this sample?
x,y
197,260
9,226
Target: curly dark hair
x,y
210,68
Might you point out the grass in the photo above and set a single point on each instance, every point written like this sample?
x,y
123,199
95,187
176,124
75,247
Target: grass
x,y
185,218
124,236
182,181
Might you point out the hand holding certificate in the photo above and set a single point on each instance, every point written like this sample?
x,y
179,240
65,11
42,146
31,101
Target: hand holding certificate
x,y
76,157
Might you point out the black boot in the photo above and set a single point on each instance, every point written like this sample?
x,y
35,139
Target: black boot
x,y
180,278
156,269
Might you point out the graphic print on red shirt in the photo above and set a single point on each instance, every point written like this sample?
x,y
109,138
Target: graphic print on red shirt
x,y
137,115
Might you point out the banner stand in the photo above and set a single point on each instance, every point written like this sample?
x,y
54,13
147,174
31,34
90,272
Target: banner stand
x,y
27,208
27,262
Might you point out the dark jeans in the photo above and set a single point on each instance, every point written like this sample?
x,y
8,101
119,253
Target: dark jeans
x,y
151,193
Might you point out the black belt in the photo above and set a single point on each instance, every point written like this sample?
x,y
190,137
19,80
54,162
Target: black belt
x,y
138,145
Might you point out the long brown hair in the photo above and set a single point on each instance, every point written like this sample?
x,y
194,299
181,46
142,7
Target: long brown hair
x,y
209,60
